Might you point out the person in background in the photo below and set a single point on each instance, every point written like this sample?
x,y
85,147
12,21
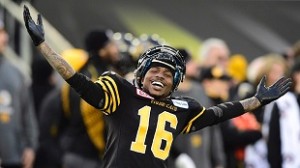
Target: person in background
x,y
43,81
244,130
214,52
18,124
52,120
138,46
126,45
84,136
216,84
237,70
295,75
280,145
292,53
205,147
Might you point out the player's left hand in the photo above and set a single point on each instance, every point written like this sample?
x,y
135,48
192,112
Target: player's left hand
x,y
267,94
36,31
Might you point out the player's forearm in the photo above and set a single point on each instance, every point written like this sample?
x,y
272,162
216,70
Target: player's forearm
x,y
225,111
250,104
56,61
228,110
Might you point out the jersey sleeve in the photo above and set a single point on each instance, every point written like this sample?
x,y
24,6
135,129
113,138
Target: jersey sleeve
x,y
216,114
201,117
109,82
196,111
103,94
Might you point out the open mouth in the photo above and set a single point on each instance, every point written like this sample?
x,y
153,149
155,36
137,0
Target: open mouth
x,y
157,84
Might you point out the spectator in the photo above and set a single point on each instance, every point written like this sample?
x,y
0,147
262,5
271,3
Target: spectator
x,y
52,119
18,125
279,146
43,81
243,130
214,52
237,70
216,84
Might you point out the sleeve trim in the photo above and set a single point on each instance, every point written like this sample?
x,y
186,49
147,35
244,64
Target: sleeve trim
x,y
189,125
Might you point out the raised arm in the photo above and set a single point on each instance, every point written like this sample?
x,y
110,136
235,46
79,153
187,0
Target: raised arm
x,y
37,34
56,61
265,95
228,110
88,90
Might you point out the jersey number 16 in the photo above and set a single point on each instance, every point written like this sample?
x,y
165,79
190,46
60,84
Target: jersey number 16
x,y
160,133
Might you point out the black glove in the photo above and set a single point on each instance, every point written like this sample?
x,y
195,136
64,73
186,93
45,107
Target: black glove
x,y
267,94
36,31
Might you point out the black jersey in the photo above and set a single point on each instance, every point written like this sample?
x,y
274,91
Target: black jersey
x,y
141,129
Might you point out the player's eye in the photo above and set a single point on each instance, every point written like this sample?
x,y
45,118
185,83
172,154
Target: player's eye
x,y
168,74
154,70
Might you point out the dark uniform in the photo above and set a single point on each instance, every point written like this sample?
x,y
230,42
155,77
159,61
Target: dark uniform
x,y
141,129
84,128
70,126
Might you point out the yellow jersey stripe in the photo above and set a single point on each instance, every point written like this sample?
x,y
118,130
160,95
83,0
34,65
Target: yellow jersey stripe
x,y
113,96
106,103
188,127
115,88
107,98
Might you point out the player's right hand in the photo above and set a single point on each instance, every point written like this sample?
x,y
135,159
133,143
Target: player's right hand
x,y
36,31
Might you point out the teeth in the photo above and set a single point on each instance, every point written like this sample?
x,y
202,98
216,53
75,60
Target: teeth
x,y
157,84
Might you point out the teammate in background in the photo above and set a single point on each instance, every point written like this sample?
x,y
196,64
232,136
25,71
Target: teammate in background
x,y
143,120
126,46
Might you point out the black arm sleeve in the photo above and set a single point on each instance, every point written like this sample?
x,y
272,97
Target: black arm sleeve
x,y
91,92
219,113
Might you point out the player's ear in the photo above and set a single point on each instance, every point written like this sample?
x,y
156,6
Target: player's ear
x,y
142,81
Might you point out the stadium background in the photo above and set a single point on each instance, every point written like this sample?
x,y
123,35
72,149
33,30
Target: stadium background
x,y
251,28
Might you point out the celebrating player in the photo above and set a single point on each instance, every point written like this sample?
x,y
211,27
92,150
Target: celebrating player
x,y
144,119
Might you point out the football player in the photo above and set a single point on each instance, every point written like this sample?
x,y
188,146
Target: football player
x,y
144,119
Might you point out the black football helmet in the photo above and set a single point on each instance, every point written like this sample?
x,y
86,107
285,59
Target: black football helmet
x,y
165,55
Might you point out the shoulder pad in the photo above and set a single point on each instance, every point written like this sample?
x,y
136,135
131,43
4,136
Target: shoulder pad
x,y
112,74
108,73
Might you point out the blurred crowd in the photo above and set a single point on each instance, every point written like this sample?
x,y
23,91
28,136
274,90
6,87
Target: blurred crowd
x,y
45,124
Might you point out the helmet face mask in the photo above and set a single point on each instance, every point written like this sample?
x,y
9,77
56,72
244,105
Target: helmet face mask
x,y
164,55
